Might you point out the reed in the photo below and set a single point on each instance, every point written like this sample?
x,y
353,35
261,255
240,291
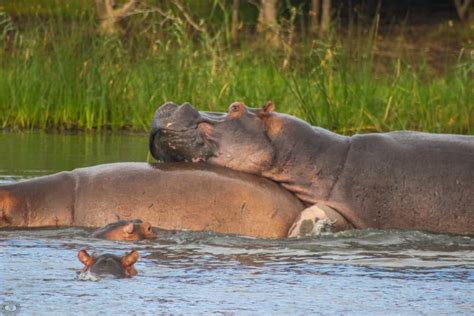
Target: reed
x,y
59,73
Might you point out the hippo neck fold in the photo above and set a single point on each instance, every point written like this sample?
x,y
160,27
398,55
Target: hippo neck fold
x,y
310,166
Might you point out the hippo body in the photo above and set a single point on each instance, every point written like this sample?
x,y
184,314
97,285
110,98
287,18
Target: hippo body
x,y
407,179
169,196
396,180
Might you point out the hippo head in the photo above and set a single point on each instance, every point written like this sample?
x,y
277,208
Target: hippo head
x,y
108,264
126,230
241,139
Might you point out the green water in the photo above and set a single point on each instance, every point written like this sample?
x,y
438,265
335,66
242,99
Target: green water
x,y
37,153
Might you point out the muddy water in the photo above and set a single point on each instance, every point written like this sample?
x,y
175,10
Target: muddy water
x,y
357,272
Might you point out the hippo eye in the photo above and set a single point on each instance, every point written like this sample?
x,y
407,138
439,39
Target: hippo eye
x,y
234,108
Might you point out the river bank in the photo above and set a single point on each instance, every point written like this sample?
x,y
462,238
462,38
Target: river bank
x,y
58,73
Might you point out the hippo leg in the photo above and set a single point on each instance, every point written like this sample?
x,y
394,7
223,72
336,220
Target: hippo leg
x,y
317,219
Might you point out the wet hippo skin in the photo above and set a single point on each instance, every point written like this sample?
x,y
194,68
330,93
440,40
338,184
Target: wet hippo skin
x,y
396,180
126,230
169,196
109,264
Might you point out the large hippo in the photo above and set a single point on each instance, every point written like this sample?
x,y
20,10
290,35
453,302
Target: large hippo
x,y
169,196
397,180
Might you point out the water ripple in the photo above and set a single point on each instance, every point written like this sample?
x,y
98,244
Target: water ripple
x,y
375,272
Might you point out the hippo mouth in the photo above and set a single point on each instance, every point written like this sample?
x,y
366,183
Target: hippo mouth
x,y
181,133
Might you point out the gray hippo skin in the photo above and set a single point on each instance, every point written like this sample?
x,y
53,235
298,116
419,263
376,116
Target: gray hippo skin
x,y
108,264
172,196
397,180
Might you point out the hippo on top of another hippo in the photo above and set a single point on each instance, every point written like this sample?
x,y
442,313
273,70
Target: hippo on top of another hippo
x,y
399,180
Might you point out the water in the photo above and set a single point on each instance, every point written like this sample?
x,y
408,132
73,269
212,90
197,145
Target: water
x,y
24,155
356,272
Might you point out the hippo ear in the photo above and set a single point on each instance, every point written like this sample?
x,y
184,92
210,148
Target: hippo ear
x,y
86,259
129,228
130,258
269,107
127,262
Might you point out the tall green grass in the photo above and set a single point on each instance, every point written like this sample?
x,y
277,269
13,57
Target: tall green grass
x,y
61,74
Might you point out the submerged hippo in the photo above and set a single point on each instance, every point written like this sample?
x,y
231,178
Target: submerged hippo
x,y
173,196
397,180
126,230
108,264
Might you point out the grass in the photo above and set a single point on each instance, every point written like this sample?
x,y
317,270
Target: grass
x,y
60,74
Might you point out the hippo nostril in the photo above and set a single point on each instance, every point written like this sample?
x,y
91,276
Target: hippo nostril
x,y
167,108
186,112
186,106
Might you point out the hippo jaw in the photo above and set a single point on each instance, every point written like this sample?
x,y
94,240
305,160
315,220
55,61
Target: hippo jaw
x,y
181,133
177,134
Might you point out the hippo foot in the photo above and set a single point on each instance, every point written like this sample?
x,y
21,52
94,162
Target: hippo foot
x,y
316,220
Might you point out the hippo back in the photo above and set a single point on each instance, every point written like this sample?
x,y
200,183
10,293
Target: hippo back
x,y
184,196
409,179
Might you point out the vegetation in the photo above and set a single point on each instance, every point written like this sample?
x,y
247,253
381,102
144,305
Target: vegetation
x,y
58,72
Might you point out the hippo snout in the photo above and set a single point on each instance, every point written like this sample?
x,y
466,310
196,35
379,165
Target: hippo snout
x,y
167,108
171,116
175,134
186,114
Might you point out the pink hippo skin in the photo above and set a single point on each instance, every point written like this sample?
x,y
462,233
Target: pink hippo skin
x,y
126,230
172,196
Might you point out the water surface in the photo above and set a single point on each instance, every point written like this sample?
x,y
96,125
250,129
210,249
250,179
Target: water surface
x,y
356,272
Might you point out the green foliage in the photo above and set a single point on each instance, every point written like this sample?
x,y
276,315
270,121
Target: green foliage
x,y
59,73
45,7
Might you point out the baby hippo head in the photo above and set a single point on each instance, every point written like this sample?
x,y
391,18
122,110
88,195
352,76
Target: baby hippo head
x,y
126,230
108,264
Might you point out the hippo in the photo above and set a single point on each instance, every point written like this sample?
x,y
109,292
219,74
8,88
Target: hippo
x,y
126,230
172,196
108,264
395,180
